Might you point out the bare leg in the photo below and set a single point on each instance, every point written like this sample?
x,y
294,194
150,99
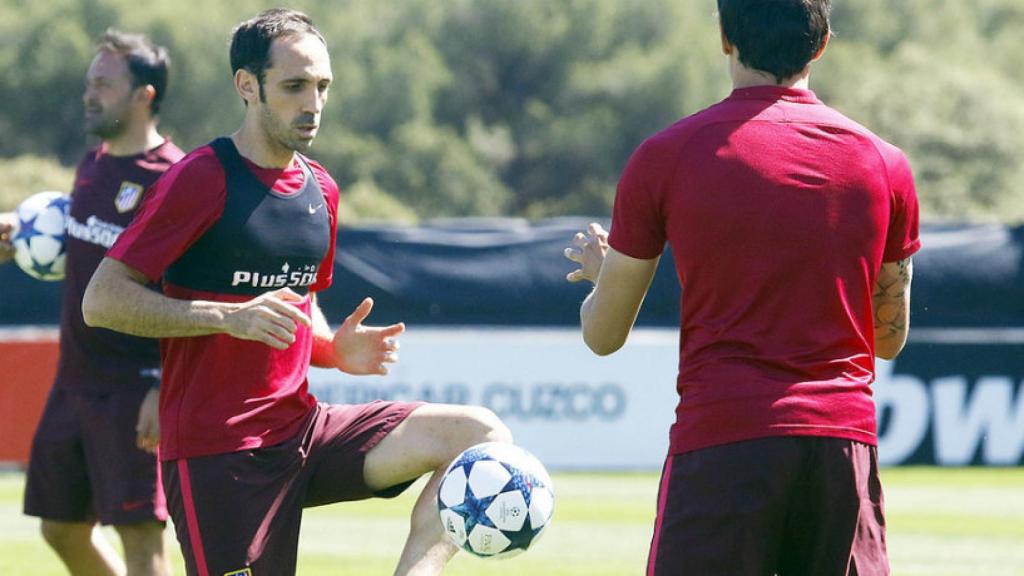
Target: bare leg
x,y
82,548
145,552
426,442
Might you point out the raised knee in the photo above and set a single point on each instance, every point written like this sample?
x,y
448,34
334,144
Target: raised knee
x,y
492,428
60,535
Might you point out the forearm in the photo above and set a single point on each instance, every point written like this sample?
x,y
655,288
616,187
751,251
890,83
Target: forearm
x,y
604,332
609,312
118,299
891,307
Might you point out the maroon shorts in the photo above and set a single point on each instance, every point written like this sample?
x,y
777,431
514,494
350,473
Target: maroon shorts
x,y
785,505
84,465
239,513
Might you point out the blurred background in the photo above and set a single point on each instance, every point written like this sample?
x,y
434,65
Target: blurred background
x,y
529,108
471,139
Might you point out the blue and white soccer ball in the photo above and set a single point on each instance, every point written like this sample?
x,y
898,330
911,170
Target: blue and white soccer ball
x,y
39,235
495,500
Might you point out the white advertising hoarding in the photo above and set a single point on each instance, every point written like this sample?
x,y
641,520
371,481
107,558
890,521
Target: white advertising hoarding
x,y
953,397
569,407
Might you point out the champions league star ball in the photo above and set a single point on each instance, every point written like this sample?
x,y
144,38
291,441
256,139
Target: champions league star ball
x,y
495,500
39,235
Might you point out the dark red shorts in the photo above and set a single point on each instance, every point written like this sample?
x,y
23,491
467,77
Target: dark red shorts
x,y
789,506
84,465
242,510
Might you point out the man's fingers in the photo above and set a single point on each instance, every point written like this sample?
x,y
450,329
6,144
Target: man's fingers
x,y
288,310
573,254
596,230
361,312
288,295
393,330
574,276
580,240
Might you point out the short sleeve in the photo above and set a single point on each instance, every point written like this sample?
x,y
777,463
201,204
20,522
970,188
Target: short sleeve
x,y
902,239
638,226
182,205
325,273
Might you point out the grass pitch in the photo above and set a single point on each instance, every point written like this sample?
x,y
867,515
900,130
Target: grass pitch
x,y
942,522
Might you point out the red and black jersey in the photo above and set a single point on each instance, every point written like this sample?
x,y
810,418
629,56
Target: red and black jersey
x,y
221,228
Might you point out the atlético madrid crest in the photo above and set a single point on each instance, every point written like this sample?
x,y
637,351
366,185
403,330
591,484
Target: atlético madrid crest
x,y
128,196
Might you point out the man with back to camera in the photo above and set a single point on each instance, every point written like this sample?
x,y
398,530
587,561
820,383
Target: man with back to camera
x,y
792,229
242,231
93,455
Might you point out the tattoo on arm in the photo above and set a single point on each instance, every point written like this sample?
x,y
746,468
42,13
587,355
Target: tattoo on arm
x,y
891,299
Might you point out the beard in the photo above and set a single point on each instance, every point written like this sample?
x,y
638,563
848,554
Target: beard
x,y
108,123
283,134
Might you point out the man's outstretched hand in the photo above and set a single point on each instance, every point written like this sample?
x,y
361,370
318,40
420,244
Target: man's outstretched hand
x,y
366,349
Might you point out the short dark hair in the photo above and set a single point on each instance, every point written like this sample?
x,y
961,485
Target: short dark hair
x,y
251,40
148,63
779,37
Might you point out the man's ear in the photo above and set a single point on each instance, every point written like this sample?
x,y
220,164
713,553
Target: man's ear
x,y
247,86
145,94
824,44
727,47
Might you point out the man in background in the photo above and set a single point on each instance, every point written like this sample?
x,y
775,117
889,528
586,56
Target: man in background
x,y
93,456
792,229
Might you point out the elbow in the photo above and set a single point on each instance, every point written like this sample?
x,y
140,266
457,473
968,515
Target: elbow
x,y
890,348
90,312
602,346
93,309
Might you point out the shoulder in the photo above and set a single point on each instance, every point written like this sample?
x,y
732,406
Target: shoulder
x,y
168,152
199,172
323,177
200,162
90,157
670,139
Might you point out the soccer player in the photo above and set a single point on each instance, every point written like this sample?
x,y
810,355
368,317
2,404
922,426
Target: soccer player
x,y
93,453
242,231
792,229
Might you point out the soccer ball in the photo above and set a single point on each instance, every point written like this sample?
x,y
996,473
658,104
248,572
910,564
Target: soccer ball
x,y
495,500
39,235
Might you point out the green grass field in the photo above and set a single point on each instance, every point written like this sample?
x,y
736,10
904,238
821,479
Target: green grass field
x,y
942,522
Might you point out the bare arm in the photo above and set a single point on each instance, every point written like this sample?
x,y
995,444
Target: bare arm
x,y
621,283
117,298
891,304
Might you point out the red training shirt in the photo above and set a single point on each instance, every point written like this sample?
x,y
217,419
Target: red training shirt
x,y
780,212
219,393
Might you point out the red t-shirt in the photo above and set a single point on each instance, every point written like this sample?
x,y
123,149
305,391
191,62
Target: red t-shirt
x,y
221,394
779,212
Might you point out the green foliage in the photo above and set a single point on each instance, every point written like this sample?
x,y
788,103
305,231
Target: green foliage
x,y
531,107
25,175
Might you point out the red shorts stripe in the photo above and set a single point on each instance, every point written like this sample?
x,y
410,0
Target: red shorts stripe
x,y
195,538
666,475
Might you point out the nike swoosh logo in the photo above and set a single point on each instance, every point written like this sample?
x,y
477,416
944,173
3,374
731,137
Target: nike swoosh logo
x,y
313,210
129,506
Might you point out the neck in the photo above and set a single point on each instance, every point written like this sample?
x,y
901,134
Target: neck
x,y
743,77
252,143
136,139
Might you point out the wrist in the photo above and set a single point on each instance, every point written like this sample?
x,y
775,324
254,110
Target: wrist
x,y
215,315
324,355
